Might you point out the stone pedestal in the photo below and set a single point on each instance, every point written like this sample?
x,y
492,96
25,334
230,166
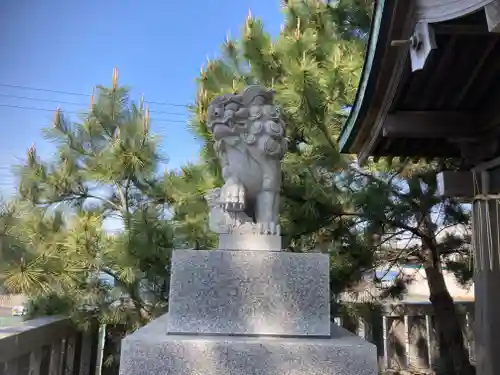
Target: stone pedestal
x,y
247,312
150,351
249,293
249,241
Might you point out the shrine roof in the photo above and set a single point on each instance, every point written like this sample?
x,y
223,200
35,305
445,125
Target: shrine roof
x,y
429,112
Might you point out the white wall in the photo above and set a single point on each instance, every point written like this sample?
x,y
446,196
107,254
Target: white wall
x,y
419,286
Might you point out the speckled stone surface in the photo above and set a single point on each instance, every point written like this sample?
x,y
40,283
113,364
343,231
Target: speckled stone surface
x,y
249,292
249,241
150,352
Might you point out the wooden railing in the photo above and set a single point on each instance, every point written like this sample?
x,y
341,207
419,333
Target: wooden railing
x,y
405,334
47,346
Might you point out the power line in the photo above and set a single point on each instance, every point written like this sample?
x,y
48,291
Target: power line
x,y
80,94
165,103
43,90
76,112
74,103
39,99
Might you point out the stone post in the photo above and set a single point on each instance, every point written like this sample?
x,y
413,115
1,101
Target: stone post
x,y
482,187
385,339
430,339
247,308
486,216
406,338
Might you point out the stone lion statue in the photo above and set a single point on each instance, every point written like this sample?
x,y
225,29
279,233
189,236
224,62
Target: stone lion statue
x,y
250,142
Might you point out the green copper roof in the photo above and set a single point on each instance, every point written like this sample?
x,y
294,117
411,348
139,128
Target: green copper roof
x,y
348,133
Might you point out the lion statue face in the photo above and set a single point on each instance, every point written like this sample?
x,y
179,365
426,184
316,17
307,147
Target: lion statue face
x,y
251,117
221,110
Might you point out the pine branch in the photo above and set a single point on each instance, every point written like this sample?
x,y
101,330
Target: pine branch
x,y
78,196
131,291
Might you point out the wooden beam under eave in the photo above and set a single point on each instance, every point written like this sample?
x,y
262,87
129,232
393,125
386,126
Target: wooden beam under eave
x,y
431,125
458,29
467,184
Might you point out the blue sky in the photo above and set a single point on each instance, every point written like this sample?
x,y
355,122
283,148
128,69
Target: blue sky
x,y
158,47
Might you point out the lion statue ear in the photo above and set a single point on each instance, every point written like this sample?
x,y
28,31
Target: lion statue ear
x,y
254,91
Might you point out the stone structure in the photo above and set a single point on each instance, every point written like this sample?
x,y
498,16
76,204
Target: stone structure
x,y
247,308
249,138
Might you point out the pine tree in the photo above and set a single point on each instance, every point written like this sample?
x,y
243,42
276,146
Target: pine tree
x,y
106,168
400,201
11,248
187,189
315,73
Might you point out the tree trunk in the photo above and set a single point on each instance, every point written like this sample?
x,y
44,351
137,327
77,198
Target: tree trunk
x,y
450,338
449,328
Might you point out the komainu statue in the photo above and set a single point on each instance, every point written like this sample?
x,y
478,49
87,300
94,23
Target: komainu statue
x,y
250,142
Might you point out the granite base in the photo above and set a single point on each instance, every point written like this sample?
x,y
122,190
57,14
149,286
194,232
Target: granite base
x,y
249,292
150,351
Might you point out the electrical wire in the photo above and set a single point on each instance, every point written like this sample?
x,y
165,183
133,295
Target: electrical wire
x,y
80,94
6,177
74,103
43,90
76,112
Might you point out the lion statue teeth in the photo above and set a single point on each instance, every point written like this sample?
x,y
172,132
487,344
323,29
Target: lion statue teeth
x,y
249,138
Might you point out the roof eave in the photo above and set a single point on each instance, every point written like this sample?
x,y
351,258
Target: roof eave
x,y
376,62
